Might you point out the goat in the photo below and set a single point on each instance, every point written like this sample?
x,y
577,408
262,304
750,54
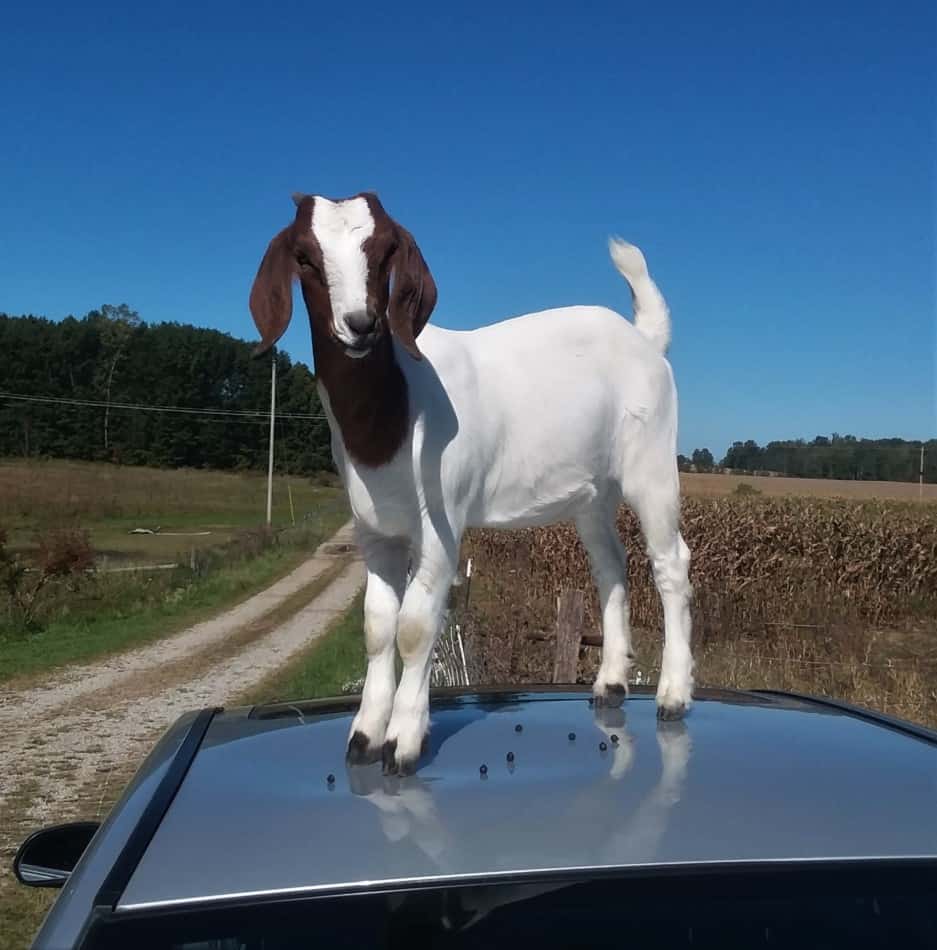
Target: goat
x,y
546,417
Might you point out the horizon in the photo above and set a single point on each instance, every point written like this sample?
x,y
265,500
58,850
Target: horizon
x,y
719,454
775,167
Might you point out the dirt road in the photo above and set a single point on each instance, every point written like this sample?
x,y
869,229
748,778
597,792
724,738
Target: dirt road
x,y
69,744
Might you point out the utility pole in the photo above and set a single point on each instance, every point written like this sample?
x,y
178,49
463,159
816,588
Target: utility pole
x,y
273,408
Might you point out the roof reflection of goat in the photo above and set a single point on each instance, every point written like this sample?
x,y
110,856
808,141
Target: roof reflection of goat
x,y
409,812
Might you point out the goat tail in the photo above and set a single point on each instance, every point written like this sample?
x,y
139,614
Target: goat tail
x,y
651,316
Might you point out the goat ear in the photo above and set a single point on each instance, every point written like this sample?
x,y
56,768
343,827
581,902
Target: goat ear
x,y
414,293
271,299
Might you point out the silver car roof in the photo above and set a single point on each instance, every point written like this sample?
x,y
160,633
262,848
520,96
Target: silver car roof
x,y
532,783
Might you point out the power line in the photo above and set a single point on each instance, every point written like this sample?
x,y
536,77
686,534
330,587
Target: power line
x,y
260,415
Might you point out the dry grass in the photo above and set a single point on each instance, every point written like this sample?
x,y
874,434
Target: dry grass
x,y
193,509
210,529
830,597
712,485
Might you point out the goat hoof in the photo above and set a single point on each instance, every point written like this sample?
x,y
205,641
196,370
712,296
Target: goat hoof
x,y
389,757
396,764
360,751
612,695
671,713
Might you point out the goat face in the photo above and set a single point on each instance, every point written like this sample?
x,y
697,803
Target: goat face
x,y
345,254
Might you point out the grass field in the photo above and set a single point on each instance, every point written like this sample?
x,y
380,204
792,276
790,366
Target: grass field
x,y
110,611
192,509
712,485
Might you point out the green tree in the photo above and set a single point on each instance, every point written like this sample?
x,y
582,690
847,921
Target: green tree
x,y
168,364
116,326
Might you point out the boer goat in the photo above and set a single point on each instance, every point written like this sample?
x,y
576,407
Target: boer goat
x,y
547,417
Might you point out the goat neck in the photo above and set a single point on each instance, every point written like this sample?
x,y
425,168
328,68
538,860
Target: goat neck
x,y
367,397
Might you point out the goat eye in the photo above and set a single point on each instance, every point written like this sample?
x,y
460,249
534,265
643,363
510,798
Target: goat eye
x,y
303,260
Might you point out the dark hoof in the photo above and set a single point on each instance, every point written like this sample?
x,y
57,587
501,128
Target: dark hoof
x,y
360,751
389,757
612,696
671,713
393,765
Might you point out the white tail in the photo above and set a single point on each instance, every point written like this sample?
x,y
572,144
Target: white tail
x,y
651,316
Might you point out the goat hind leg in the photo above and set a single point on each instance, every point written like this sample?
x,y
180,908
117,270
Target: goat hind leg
x,y
609,563
659,512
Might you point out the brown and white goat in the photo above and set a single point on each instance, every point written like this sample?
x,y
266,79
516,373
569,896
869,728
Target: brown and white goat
x,y
547,417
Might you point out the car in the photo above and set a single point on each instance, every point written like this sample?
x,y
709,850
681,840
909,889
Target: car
x,y
535,819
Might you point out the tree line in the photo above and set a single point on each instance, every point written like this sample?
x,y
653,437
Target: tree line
x,y
112,356
836,456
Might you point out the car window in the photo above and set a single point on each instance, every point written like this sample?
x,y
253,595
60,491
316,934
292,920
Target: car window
x,y
829,909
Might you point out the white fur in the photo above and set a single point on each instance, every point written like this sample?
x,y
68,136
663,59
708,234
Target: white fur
x,y
341,229
547,417
651,315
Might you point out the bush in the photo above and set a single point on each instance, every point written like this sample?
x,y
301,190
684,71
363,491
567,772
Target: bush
x,y
64,552
64,555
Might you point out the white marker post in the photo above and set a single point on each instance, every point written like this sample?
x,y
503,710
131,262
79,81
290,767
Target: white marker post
x,y
920,482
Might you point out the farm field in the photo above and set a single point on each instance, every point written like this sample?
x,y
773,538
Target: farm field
x,y
192,509
211,544
698,483
827,596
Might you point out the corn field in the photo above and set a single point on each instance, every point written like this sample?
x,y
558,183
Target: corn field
x,y
829,596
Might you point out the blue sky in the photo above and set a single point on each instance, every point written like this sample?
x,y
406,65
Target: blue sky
x,y
775,161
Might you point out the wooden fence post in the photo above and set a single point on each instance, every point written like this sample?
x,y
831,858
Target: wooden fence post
x,y
570,613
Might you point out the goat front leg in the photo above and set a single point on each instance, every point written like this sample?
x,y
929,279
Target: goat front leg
x,y
386,562
418,626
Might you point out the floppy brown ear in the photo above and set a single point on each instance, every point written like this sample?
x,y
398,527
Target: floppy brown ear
x,y
271,300
414,293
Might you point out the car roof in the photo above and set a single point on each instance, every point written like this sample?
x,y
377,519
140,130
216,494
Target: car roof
x,y
530,783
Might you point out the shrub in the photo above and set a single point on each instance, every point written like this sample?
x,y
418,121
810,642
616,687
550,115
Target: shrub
x,y
64,554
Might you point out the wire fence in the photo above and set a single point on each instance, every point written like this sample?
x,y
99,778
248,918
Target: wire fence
x,y
140,407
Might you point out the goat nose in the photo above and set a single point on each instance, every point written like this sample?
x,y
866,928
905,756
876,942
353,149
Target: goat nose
x,y
360,322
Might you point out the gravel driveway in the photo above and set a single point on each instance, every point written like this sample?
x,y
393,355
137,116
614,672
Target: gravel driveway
x,y
69,745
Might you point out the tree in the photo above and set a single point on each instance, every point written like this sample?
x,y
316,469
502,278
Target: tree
x,y
166,364
747,456
116,327
703,460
